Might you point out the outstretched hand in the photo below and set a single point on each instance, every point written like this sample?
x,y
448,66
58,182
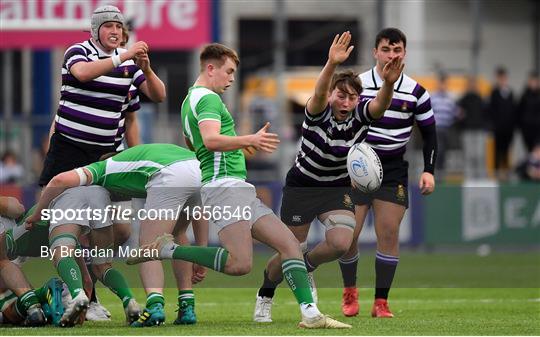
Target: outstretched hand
x,y
265,141
393,69
340,49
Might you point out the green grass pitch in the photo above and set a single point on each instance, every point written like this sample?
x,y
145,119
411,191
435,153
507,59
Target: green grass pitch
x,y
434,294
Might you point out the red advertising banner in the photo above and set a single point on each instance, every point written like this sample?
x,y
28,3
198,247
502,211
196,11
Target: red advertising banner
x,y
163,24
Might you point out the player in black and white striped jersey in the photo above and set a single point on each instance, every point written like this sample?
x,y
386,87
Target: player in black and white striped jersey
x,y
389,136
96,78
318,185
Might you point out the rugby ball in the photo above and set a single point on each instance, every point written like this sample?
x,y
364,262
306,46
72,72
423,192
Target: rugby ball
x,y
364,167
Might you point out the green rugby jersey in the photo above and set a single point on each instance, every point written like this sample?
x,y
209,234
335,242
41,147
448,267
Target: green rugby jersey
x,y
128,172
22,242
27,214
203,104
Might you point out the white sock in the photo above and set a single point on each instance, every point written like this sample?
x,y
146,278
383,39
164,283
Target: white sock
x,y
167,250
309,310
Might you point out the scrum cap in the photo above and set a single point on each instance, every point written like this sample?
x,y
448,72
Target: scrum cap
x,y
104,14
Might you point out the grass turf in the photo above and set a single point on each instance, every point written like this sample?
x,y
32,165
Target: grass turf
x,y
435,294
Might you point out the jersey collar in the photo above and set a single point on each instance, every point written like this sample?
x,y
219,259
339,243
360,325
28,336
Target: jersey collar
x,y
377,80
99,52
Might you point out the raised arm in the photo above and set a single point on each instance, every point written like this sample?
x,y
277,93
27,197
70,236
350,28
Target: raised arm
x,y
153,87
87,71
214,141
338,53
391,72
57,186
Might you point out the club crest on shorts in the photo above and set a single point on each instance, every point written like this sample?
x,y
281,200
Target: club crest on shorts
x,y
400,193
347,201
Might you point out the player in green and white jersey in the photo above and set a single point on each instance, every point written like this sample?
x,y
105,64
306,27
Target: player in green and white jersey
x,y
21,243
168,176
68,220
236,211
11,276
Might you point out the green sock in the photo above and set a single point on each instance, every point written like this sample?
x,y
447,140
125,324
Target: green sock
x,y
6,298
154,298
71,275
115,281
23,242
25,301
186,296
211,257
295,273
41,293
10,242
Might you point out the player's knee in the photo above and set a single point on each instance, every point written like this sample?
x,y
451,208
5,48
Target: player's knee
x,y
389,238
340,245
242,265
122,233
292,248
240,268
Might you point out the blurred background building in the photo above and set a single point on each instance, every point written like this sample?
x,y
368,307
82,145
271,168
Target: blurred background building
x,y
282,46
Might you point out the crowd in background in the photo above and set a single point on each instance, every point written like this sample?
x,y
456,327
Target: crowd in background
x,y
500,116
466,123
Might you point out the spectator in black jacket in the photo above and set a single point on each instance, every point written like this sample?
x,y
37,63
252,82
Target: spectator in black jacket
x,y
529,112
502,114
473,124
